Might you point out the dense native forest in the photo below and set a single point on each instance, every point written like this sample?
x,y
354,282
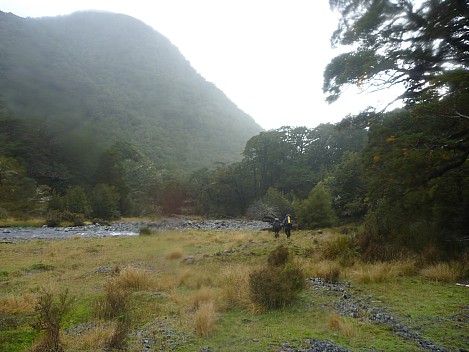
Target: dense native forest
x,y
83,82
401,175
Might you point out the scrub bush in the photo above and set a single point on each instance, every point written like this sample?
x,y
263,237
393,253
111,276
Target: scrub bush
x,y
277,284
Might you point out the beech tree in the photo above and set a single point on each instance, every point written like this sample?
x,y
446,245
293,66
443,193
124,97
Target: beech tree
x,y
425,48
416,157
316,211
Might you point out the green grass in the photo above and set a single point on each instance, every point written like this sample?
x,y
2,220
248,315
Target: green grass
x,y
168,288
17,340
431,308
22,223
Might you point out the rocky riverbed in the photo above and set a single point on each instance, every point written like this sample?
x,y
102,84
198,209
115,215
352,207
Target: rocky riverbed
x,y
127,228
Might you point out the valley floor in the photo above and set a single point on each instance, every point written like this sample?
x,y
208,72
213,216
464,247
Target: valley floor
x,y
169,277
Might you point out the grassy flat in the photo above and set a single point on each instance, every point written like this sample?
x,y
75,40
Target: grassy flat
x,y
173,275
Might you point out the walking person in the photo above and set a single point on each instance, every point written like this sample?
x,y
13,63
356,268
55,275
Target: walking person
x,y
276,227
287,225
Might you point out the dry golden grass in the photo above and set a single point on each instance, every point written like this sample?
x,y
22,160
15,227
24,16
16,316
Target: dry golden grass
x,y
114,303
190,294
167,281
375,273
203,295
18,304
328,270
194,278
239,238
406,267
174,254
383,271
235,286
443,272
204,319
93,339
345,326
134,279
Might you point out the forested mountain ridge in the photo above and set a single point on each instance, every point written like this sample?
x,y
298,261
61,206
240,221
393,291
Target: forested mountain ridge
x,y
86,80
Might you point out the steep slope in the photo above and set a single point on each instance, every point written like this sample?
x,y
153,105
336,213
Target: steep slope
x,y
89,79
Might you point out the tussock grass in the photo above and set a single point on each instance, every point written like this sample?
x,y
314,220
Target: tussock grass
x,y
382,272
327,270
194,279
235,286
96,338
205,302
375,273
11,222
114,303
348,327
343,249
174,254
167,282
134,279
204,295
443,272
12,304
204,319
239,238
406,267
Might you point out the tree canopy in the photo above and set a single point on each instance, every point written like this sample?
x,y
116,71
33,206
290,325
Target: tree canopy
x,y
396,42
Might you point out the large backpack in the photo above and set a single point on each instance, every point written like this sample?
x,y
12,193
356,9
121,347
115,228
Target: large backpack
x,y
276,224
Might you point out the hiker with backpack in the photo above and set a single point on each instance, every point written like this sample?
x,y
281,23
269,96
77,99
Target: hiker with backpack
x,y
276,226
287,225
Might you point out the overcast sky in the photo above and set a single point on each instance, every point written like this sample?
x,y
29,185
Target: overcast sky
x,y
267,56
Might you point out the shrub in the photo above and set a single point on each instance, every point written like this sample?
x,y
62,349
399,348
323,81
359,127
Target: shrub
x,y
342,248
50,311
76,201
145,231
275,287
316,211
119,337
373,249
56,218
53,218
115,303
105,200
279,256
42,267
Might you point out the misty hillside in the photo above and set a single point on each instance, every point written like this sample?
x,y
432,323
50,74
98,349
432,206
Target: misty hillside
x,y
89,79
